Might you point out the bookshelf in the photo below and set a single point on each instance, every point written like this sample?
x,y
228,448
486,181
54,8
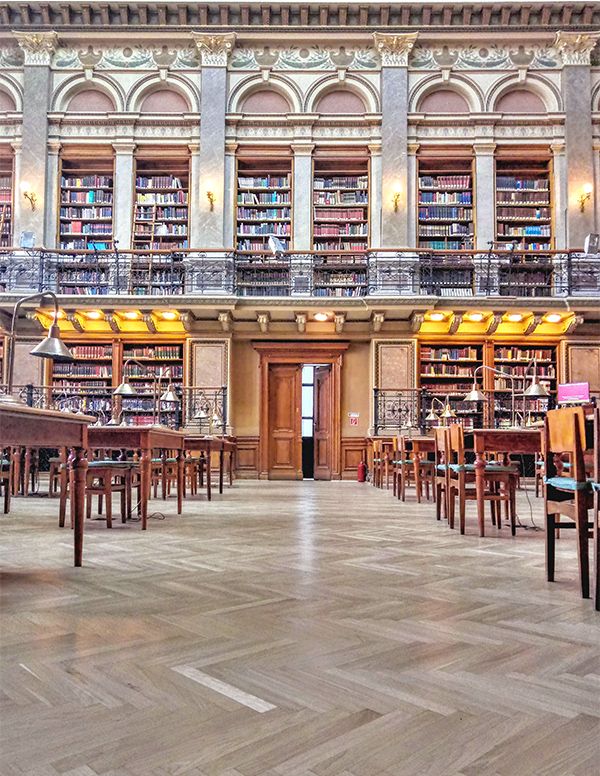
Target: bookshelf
x,y
524,203
341,202
86,383
447,370
264,276
513,359
6,201
137,410
2,349
264,202
445,203
156,274
340,276
161,207
85,219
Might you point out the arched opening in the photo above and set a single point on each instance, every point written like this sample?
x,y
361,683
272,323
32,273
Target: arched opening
x,y
90,101
340,101
520,101
444,101
164,101
265,101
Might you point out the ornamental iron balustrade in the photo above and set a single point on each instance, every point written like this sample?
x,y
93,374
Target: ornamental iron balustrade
x,y
398,410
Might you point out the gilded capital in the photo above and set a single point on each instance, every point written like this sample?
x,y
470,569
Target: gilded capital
x,y
37,47
214,49
394,49
576,47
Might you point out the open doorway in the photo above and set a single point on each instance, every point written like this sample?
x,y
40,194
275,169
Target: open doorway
x,y
316,400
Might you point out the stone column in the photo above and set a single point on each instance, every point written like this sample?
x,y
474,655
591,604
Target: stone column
x,y
484,191
214,52
123,189
302,191
575,49
52,204
195,236
559,186
394,51
375,196
37,48
412,196
229,218
18,198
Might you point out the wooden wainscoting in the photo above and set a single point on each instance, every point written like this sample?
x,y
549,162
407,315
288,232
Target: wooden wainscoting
x,y
354,450
246,458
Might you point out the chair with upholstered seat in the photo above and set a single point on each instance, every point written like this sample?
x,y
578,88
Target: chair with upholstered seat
x,y
569,496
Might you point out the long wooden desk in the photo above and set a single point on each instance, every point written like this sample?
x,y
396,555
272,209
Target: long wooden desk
x,y
208,445
22,426
145,439
521,441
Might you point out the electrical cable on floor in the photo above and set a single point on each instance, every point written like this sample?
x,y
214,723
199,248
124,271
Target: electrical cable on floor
x,y
533,526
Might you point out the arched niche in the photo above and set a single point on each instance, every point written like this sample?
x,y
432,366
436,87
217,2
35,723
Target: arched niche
x,y
443,101
265,101
520,101
342,101
7,103
164,101
90,101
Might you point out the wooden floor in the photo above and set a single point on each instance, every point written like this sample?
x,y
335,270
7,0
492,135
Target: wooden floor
x,y
294,629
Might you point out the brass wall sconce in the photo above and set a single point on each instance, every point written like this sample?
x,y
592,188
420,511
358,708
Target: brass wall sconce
x,y
211,198
396,201
29,195
585,196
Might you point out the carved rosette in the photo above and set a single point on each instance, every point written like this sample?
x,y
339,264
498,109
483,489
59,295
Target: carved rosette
x,y
37,47
214,49
575,47
395,49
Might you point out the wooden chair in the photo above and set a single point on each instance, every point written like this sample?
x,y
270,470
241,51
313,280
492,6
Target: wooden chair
x,y
6,478
104,478
569,496
441,477
377,472
54,476
500,481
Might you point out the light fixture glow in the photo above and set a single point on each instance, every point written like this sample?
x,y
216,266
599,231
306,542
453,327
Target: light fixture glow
x,y
321,317
437,316
514,317
553,318
475,317
169,315
131,315
211,199
396,201
586,193
29,195
94,315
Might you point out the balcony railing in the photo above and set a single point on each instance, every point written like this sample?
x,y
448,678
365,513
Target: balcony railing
x,y
375,273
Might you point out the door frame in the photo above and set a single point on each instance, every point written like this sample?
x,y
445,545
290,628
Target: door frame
x,y
295,352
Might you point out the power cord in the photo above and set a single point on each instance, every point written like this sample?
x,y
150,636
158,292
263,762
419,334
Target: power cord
x,y
533,526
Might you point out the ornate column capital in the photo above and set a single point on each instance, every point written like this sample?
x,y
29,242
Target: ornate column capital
x,y
214,49
123,147
484,149
302,149
37,47
576,47
558,147
395,49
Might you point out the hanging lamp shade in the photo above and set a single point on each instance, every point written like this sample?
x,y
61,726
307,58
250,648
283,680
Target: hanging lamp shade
x,y
125,389
169,395
475,394
53,347
448,412
432,415
536,390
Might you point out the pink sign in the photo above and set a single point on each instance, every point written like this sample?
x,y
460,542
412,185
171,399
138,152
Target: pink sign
x,y
573,392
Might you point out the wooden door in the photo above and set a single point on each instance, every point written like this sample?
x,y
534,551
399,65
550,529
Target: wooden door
x,y
285,439
322,422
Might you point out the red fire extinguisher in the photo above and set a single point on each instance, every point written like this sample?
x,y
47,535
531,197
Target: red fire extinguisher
x,y
361,473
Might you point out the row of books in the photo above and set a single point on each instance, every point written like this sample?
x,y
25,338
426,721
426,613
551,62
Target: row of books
x,y
82,370
150,213
445,197
83,276
91,351
504,384
153,351
135,370
266,228
82,245
264,181
61,383
79,227
524,354
342,278
163,276
338,292
447,387
342,182
263,198
522,213
344,244
161,229
158,182
435,370
274,276
450,354
547,371
445,181
5,196
511,182
322,230
333,214
340,197
525,197
172,198
445,229
263,291
86,212
87,181
259,215
443,212
5,182
256,245
86,197
523,231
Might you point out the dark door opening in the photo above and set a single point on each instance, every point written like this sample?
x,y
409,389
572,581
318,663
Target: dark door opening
x,y
308,422
316,421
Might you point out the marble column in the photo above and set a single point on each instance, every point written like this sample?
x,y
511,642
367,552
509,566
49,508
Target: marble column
x,y
576,49
302,188
18,199
394,51
375,196
559,187
195,236
412,197
52,205
123,194
484,205
38,49
214,52
229,220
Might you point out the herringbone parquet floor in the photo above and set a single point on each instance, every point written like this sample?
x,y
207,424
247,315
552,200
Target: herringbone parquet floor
x,y
293,629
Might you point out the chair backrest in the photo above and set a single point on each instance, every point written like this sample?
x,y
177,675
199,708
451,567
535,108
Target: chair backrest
x,y
442,444
457,442
404,456
564,434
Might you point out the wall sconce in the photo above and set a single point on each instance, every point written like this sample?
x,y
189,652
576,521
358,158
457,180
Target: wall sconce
x,y
396,201
585,196
211,198
29,194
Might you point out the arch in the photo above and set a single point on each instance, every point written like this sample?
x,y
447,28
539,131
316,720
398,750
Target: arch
x,y
519,101
463,87
90,101
443,101
70,88
544,90
12,93
255,84
340,101
265,101
7,104
138,99
596,98
355,85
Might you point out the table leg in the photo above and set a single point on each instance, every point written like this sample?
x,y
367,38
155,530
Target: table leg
x,y
208,477
145,483
78,480
27,471
221,469
416,468
480,491
164,474
230,468
180,480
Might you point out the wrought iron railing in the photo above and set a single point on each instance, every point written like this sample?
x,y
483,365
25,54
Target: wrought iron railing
x,y
398,410
389,273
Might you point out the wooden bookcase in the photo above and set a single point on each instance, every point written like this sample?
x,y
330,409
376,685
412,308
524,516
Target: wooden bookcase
x,y
85,219
513,359
445,202
524,202
341,201
6,201
264,201
161,207
447,370
137,410
86,384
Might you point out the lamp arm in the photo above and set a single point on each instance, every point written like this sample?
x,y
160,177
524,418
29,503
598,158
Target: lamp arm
x,y
439,401
152,375
10,361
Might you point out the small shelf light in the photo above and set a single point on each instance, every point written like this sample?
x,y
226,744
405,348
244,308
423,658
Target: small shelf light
x,y
475,317
514,317
553,318
585,195
437,316
169,315
29,195
94,315
321,317
396,201
210,196
130,315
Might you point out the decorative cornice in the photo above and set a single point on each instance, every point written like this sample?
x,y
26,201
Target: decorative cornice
x,y
576,48
214,49
37,47
394,49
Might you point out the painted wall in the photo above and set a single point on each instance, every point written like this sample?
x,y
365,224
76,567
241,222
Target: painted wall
x,y
356,388
245,384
